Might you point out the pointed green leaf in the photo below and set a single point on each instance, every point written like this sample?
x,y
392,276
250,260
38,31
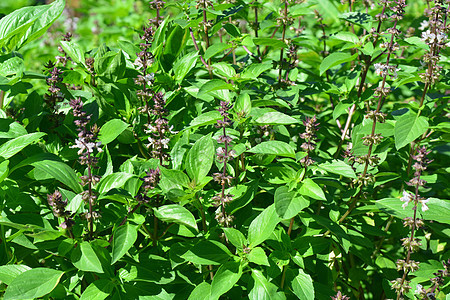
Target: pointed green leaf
x,y
61,172
208,252
174,213
311,189
288,203
85,258
258,256
27,24
184,65
14,146
9,272
33,284
275,118
262,289
235,237
407,128
225,278
338,167
98,290
200,159
275,148
123,240
74,51
201,292
263,226
111,130
303,286
335,59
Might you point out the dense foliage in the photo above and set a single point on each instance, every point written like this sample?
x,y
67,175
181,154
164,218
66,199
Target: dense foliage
x,y
224,149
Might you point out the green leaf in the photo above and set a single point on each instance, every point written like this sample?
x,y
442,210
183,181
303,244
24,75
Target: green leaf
x,y
33,284
124,238
61,172
12,66
288,203
338,167
111,130
232,30
243,105
275,148
335,59
208,253
213,85
200,159
254,70
74,51
207,118
362,19
225,278
303,286
224,69
201,292
85,258
258,256
214,49
311,189
263,226
269,42
113,181
9,272
235,237
4,170
346,36
275,118
174,213
184,65
14,146
262,289
407,128
177,177
27,24
98,290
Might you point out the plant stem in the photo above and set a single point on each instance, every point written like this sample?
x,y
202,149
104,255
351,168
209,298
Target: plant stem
x,y
91,217
283,35
258,50
2,96
197,49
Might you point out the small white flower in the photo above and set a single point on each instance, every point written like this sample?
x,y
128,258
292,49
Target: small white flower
x,y
424,204
381,69
150,129
149,78
428,37
424,25
138,63
165,143
441,37
407,197
419,289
